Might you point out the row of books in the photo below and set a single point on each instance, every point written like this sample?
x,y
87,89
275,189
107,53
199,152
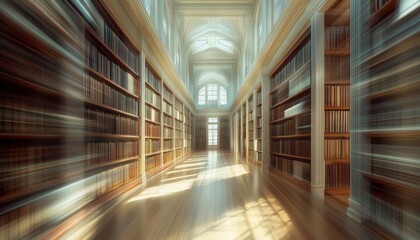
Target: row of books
x,y
152,145
337,175
296,147
287,127
258,143
109,180
299,107
259,132
337,95
300,82
178,143
168,95
152,129
114,42
297,169
167,108
167,132
250,154
388,213
178,105
152,162
337,68
178,115
106,152
250,116
294,107
337,38
152,98
250,104
395,113
168,144
178,133
279,94
259,96
375,5
251,144
20,116
168,156
178,124
258,156
168,120
153,80
178,153
337,121
100,92
152,114
299,60
103,65
337,148
99,122
259,112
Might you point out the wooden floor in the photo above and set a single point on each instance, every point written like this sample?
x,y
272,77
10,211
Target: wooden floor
x,y
214,195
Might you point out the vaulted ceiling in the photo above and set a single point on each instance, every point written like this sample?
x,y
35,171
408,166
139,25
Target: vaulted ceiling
x,y
213,33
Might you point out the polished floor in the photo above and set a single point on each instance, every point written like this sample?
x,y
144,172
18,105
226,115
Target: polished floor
x,y
214,195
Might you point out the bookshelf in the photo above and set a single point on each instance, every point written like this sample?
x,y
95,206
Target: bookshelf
x,y
238,125
179,124
251,128
337,99
168,126
200,133
290,124
389,96
187,131
224,134
153,128
258,124
244,130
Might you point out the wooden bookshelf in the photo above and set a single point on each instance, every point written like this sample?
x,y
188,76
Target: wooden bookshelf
x,y
290,119
337,100
168,141
258,124
187,131
389,115
251,128
179,125
244,131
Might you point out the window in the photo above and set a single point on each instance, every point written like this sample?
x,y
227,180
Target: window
x,y
223,96
212,94
213,131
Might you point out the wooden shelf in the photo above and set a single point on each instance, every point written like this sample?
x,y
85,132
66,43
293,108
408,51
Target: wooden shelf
x,y
167,150
334,135
393,133
111,136
169,102
103,166
152,88
92,72
336,108
337,191
152,105
300,71
337,160
110,109
308,135
297,95
299,158
381,13
347,82
151,121
395,91
108,52
337,52
394,184
288,118
152,154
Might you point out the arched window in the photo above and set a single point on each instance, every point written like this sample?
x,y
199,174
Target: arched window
x,y
212,94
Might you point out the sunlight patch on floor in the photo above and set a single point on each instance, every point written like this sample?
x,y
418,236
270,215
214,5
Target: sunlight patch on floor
x,y
163,190
221,173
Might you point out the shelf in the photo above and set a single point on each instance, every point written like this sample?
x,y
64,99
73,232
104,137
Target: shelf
x,y
340,52
101,166
167,138
334,135
115,58
111,136
397,90
169,126
108,108
150,137
308,135
299,94
395,184
151,121
347,82
167,114
258,104
151,154
381,13
337,191
167,150
300,71
169,102
152,88
338,160
393,50
98,76
334,108
151,105
26,136
288,118
299,158
394,133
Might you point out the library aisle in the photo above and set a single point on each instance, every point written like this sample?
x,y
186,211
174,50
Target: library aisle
x,y
214,195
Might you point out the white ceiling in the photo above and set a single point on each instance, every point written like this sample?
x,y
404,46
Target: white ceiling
x,y
213,32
